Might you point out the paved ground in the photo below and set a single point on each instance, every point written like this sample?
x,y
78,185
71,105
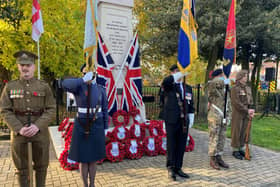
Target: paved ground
x,y
263,170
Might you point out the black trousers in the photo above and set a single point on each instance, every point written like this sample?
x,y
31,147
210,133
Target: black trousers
x,y
176,144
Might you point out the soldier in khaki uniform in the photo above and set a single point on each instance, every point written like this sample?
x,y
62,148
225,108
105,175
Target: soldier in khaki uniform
x,y
217,129
242,108
20,99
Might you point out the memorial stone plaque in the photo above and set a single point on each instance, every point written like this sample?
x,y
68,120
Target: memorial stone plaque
x,y
115,26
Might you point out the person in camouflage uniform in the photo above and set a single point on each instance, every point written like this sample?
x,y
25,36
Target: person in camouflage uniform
x,y
216,126
27,106
242,109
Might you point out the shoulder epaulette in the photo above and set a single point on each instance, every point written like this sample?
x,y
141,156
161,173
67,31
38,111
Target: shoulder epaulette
x,y
12,81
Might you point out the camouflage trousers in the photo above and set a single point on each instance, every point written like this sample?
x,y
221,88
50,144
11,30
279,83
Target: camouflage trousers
x,y
217,133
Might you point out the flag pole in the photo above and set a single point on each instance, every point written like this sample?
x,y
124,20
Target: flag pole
x,y
185,112
229,54
38,51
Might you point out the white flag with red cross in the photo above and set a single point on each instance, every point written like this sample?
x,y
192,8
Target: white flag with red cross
x,y
37,21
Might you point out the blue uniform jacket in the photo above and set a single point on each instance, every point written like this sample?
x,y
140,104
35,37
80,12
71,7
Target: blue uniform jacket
x,y
80,91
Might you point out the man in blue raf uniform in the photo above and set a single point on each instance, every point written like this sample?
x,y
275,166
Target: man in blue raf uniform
x,y
88,138
173,115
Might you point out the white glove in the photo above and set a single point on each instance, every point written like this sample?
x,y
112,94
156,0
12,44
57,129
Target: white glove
x,y
227,81
191,119
177,76
251,112
88,76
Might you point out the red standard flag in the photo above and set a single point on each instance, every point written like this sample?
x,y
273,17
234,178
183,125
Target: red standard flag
x,y
37,21
230,42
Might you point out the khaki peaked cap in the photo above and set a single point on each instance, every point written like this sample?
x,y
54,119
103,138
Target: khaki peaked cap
x,y
25,57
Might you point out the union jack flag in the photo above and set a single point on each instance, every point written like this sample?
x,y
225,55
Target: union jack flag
x,y
105,77
132,94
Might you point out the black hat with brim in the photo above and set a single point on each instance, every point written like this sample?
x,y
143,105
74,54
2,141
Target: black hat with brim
x,y
82,67
173,67
217,72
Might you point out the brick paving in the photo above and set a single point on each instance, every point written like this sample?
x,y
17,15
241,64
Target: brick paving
x,y
263,170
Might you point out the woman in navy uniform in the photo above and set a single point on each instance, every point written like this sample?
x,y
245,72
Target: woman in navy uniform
x,y
88,138
172,112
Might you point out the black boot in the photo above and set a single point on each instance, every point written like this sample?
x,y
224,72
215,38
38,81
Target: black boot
x,y
221,162
242,153
23,181
213,163
41,178
171,173
237,155
181,173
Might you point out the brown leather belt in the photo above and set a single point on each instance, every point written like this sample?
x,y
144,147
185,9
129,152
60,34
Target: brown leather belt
x,y
32,113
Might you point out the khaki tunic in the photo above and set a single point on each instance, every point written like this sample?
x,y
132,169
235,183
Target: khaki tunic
x,y
216,128
18,97
241,100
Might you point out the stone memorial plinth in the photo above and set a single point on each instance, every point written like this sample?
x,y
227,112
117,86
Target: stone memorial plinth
x,y
115,26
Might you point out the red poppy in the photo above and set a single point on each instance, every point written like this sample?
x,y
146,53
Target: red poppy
x,y
120,117
162,144
35,93
133,149
64,162
155,128
137,131
115,151
190,144
150,145
63,124
134,111
119,133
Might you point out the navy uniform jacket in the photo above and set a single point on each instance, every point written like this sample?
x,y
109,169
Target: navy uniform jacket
x,y
80,91
89,148
172,110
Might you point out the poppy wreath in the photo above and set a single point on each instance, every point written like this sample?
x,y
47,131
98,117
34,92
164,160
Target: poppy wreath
x,y
63,124
100,161
120,117
150,145
68,136
68,131
64,162
119,133
108,137
162,143
67,144
190,144
133,149
115,151
155,128
134,111
137,131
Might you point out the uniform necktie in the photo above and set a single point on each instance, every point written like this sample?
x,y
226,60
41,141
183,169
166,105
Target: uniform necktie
x,y
180,87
